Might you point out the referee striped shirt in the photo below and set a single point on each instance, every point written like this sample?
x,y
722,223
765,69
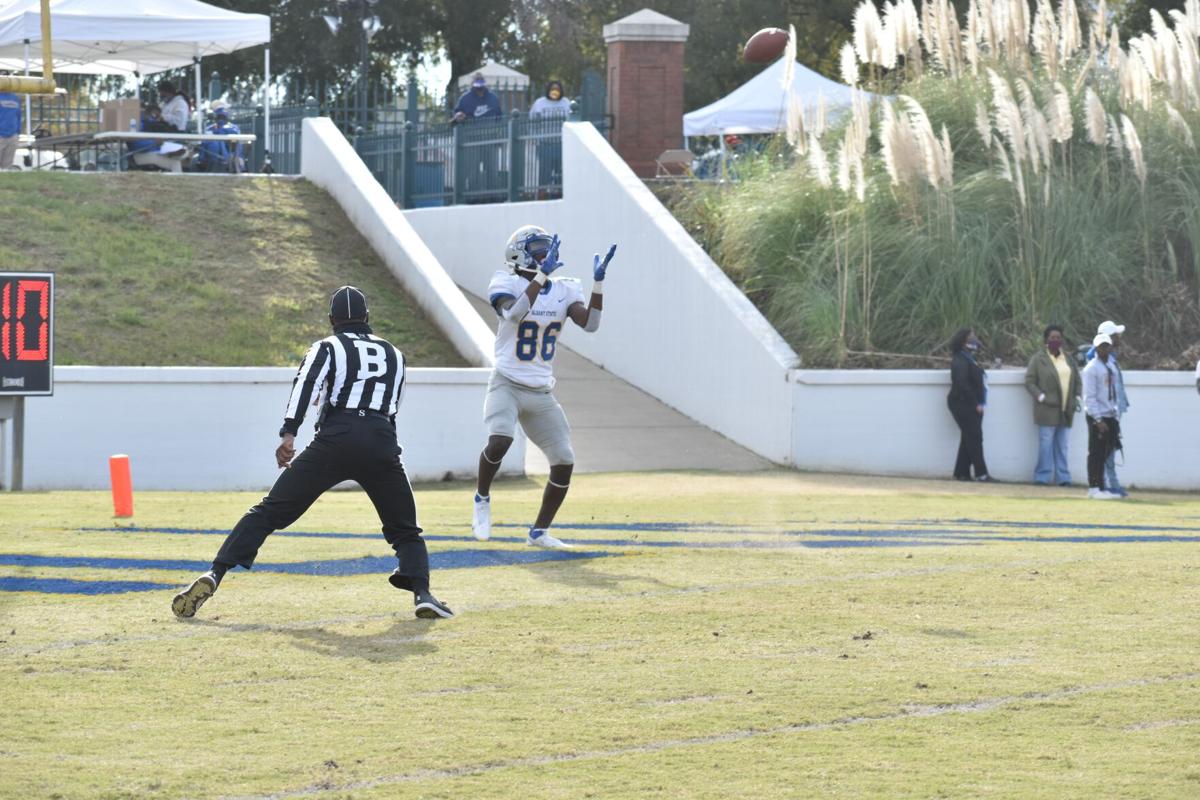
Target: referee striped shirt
x,y
352,369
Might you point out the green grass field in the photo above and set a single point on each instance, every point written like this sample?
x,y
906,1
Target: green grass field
x,y
774,635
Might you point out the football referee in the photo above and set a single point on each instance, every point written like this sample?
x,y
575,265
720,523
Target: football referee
x,y
358,380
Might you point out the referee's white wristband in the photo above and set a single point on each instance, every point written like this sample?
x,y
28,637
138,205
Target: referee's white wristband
x,y
540,277
597,287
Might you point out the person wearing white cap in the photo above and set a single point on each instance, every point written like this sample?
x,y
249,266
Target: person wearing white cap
x,y
1100,405
1113,331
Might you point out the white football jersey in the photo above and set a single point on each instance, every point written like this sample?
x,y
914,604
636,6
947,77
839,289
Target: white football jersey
x,y
525,349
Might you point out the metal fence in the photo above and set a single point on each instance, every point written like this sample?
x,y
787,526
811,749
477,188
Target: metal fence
x,y
414,152
487,161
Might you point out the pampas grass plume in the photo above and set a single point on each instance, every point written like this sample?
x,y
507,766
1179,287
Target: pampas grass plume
x,y
1095,119
1133,146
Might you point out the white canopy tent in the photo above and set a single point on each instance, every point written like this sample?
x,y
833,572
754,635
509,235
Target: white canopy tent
x,y
105,37
760,105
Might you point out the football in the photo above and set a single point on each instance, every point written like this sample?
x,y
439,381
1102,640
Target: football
x,y
765,46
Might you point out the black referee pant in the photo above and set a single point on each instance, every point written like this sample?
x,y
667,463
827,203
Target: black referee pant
x,y
352,445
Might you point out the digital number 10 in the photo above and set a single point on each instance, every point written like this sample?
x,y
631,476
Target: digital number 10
x,y
12,326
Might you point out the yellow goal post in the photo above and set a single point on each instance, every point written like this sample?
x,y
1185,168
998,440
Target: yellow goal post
x,y
21,84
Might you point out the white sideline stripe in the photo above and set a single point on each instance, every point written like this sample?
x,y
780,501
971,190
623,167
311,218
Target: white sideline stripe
x,y
905,712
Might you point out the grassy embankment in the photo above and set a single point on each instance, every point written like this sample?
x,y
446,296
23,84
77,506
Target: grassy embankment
x,y
198,271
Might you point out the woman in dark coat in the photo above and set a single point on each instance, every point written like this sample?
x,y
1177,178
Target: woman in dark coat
x,y
967,400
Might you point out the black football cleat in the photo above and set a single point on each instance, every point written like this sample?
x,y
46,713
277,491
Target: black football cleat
x,y
429,607
188,602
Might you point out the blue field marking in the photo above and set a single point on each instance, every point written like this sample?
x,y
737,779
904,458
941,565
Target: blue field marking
x,y
225,532
1100,526
841,537
68,586
453,559
570,526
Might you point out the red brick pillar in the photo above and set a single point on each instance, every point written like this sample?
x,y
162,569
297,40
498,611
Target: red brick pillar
x,y
645,86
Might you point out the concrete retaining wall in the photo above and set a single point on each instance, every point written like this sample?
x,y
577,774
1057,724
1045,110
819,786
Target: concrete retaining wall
x,y
201,428
895,422
329,161
674,325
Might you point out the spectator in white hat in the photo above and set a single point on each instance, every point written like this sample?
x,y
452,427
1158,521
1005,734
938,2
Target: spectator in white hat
x,y
1113,331
1100,406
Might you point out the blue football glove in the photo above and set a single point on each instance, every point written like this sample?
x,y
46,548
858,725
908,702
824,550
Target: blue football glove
x,y
551,262
599,268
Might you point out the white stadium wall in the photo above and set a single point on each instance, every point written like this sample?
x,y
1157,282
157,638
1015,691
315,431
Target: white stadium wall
x,y
895,422
674,325
215,428
329,161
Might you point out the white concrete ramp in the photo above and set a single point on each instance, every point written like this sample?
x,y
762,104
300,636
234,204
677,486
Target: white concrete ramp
x,y
618,428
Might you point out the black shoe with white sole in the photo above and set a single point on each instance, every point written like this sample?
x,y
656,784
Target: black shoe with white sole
x,y
429,607
188,602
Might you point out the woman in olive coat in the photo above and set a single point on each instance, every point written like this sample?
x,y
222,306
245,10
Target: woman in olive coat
x,y
1052,379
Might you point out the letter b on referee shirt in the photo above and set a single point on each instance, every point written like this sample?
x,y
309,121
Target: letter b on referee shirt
x,y
372,359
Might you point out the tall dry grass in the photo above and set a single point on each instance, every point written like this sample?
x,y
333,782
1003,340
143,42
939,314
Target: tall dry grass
x,y
1017,167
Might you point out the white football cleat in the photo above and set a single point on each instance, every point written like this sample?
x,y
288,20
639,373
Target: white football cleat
x,y
481,518
538,537
1100,494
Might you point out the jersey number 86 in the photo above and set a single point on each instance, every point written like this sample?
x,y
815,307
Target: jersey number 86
x,y
527,340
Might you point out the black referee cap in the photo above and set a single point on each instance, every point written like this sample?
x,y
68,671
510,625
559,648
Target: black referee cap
x,y
348,303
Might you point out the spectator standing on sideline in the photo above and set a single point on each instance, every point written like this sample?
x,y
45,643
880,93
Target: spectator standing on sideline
x,y
1100,404
551,105
358,380
1113,331
479,102
10,128
1053,381
967,401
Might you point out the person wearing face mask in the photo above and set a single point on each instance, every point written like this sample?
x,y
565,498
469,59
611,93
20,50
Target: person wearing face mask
x,y
1100,400
478,102
967,401
1053,381
553,105
1113,331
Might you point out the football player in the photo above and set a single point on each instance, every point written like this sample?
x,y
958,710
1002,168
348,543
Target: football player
x,y
532,310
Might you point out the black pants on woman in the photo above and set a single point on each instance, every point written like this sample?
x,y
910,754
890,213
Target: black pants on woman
x,y
1099,446
348,447
970,443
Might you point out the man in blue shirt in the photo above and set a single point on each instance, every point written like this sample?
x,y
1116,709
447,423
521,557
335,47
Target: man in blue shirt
x,y
10,127
221,156
1112,330
478,103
